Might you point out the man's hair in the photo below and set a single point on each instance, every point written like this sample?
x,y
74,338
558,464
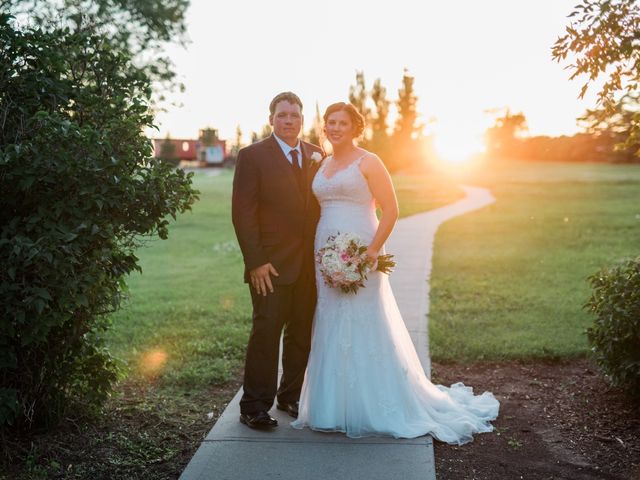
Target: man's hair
x,y
284,96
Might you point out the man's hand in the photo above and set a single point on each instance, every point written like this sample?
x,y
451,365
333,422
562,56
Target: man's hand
x,y
261,278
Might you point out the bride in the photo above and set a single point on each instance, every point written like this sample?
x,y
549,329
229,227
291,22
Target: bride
x,y
364,377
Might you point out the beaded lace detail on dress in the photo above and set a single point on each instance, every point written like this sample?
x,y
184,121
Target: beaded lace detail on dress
x,y
364,377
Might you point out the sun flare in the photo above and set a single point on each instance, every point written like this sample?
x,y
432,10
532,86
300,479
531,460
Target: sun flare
x,y
456,149
153,361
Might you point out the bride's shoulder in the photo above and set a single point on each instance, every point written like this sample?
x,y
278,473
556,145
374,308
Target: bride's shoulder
x,y
370,160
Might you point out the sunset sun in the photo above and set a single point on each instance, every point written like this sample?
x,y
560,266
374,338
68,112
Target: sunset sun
x,y
455,149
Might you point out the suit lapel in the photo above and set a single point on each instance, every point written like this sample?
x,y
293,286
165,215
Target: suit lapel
x,y
282,166
309,170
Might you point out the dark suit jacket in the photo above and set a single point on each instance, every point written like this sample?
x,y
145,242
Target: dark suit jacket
x,y
274,219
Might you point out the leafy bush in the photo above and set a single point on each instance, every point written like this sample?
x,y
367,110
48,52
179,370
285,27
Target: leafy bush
x,y
79,193
615,335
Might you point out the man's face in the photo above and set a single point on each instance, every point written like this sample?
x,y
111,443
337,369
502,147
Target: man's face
x,y
287,121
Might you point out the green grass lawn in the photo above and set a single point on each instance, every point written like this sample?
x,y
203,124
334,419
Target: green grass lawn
x,y
509,281
187,318
188,314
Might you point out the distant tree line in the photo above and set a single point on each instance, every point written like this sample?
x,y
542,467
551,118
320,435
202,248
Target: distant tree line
x,y
603,38
604,139
402,145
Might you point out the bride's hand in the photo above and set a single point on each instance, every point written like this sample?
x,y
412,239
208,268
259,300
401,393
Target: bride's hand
x,y
372,257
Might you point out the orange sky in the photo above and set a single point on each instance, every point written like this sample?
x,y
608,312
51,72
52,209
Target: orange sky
x,y
467,57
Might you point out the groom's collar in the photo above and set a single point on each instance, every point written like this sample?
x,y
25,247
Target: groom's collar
x,y
286,148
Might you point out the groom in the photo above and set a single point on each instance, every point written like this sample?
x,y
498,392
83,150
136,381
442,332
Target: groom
x,y
274,215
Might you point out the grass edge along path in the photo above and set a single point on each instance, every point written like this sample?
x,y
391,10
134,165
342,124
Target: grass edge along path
x,y
509,281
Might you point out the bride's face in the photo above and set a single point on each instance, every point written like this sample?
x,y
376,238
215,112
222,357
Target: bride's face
x,y
339,128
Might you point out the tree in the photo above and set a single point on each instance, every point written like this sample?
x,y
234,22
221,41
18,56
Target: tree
x,y
604,41
358,98
380,141
265,132
315,132
168,152
407,130
619,126
80,192
237,144
406,126
140,27
208,136
502,137
381,103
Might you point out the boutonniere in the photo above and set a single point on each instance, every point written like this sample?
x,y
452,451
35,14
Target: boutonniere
x,y
316,157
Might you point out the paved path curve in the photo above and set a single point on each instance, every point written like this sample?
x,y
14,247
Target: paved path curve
x,y
232,451
412,245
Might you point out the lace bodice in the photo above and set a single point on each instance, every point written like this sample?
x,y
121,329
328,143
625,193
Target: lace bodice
x,y
346,203
346,187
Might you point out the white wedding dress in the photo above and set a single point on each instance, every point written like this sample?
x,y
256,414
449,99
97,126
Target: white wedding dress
x,y
364,377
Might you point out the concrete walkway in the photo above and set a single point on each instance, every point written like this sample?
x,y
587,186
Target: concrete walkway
x,y
231,451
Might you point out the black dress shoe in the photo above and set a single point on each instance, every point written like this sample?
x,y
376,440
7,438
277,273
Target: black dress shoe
x,y
260,420
290,408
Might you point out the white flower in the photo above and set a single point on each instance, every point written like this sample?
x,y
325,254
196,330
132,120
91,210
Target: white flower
x,y
352,276
316,157
343,262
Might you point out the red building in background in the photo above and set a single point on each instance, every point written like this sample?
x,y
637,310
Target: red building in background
x,y
192,151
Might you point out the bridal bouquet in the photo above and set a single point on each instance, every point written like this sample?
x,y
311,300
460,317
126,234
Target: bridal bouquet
x,y
344,264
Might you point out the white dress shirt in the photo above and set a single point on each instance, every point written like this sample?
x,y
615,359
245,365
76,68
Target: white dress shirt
x,y
286,149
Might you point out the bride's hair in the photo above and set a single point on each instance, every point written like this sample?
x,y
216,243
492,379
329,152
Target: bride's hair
x,y
356,117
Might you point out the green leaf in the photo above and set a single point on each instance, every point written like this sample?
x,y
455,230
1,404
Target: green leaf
x,y
42,293
83,300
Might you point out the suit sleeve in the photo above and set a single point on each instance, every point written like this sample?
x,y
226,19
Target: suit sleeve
x,y
244,211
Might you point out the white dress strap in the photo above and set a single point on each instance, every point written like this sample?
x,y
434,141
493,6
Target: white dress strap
x,y
358,160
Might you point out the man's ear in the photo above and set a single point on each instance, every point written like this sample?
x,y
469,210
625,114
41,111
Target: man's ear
x,y
271,120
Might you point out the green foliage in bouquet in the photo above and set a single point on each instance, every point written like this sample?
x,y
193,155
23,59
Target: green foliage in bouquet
x,y
79,192
343,262
384,264
615,334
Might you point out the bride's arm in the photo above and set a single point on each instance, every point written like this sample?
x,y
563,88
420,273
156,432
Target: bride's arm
x,y
382,190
